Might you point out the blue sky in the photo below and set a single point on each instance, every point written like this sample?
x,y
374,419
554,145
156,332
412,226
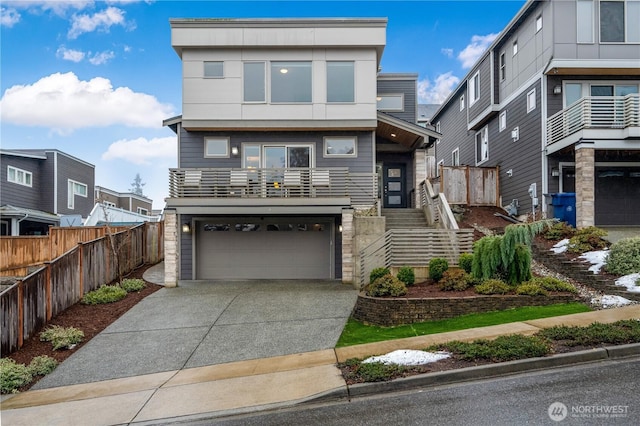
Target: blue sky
x,y
95,79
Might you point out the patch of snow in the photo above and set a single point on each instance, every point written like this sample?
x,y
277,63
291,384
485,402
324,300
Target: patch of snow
x,y
561,246
408,357
629,281
609,301
596,258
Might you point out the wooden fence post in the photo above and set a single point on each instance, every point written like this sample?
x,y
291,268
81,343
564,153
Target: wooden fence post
x,y
20,313
81,268
498,186
49,291
466,176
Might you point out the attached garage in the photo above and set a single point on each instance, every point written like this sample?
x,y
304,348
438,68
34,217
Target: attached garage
x,y
264,248
617,196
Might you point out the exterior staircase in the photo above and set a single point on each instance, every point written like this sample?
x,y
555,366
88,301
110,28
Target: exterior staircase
x,y
404,219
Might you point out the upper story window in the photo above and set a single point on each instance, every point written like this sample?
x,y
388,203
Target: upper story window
x,y
461,102
455,157
502,122
143,211
474,88
515,48
482,145
340,81
19,176
75,188
291,82
538,23
531,100
619,21
213,69
216,147
254,82
390,102
503,67
584,19
340,147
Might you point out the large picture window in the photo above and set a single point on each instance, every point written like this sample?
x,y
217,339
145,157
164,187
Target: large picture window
x,y
291,82
340,82
19,176
340,147
619,21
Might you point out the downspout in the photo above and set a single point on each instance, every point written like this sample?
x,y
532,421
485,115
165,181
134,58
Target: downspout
x,y
26,215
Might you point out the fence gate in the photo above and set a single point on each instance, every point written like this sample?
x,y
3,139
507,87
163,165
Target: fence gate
x,y
473,186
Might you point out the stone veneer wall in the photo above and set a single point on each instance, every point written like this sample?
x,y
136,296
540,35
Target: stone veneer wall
x,y
170,248
397,311
585,185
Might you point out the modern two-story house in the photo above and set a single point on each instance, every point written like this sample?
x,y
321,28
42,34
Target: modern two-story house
x,y
554,103
124,200
37,187
286,130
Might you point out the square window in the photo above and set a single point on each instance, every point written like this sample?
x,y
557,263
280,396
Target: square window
x,y
531,100
503,121
340,147
291,82
340,82
213,69
216,147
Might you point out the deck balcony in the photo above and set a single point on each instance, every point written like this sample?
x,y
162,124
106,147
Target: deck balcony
x,y
597,117
272,186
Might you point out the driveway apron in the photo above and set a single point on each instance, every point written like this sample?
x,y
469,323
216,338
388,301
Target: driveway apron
x,y
204,323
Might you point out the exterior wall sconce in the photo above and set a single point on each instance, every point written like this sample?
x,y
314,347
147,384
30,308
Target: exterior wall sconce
x,y
515,134
555,172
510,172
340,228
557,90
234,151
186,228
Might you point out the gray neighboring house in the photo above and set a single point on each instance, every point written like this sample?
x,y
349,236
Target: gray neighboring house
x,y
554,102
37,187
286,130
124,200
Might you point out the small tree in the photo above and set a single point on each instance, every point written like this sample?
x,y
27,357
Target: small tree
x,y
137,184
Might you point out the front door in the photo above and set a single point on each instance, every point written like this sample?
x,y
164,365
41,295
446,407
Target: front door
x,y
394,182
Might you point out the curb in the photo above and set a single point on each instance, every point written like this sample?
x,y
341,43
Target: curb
x,y
483,372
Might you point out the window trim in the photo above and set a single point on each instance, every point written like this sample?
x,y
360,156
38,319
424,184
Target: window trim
x,y
455,157
538,23
325,154
353,93
204,74
484,134
502,121
473,85
71,192
624,23
515,47
531,107
142,210
438,130
218,138
379,97
503,66
16,179
462,102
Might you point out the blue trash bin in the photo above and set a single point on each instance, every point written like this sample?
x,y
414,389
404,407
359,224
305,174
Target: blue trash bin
x,y
564,207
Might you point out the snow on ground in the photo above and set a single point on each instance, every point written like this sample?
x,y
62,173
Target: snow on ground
x,y
596,258
629,281
561,246
408,357
609,301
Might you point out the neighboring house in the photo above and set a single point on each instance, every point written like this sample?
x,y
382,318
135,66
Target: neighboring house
x,y
425,112
279,141
554,103
124,200
105,213
37,187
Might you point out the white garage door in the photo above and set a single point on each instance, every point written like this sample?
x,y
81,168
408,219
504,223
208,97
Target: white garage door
x,y
254,248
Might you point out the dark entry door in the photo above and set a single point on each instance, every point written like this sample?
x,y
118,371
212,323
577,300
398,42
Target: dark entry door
x,y
394,183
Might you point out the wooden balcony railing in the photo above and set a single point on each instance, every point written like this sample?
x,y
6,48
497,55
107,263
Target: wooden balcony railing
x,y
273,183
594,112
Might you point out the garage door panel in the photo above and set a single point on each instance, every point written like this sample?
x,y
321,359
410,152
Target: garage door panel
x,y
617,196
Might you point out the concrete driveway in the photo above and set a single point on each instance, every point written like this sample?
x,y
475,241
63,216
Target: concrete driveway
x,y
203,323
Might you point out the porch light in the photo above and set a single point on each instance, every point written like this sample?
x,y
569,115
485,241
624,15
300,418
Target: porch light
x,y
557,90
393,135
186,228
234,151
555,172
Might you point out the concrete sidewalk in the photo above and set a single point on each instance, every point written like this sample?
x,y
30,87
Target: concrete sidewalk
x,y
258,384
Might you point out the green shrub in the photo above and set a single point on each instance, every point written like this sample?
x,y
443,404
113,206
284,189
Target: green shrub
x,y
60,337
377,371
454,280
588,239
42,365
386,286
132,284
619,332
105,294
406,275
377,273
437,267
560,231
531,289
624,257
553,284
13,375
504,348
493,286
465,262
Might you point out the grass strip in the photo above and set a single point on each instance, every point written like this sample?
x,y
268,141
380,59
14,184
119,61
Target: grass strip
x,y
356,333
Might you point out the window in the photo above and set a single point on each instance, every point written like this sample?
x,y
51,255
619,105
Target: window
x,y
290,82
254,82
515,48
474,88
461,102
340,82
502,122
503,67
538,23
440,163
619,21
438,130
19,176
143,211
531,100
216,147
482,146
75,188
276,156
340,147
455,157
572,93
213,69
584,11
390,102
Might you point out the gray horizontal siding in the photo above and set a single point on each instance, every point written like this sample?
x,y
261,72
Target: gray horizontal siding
x,y
406,87
485,89
68,168
19,195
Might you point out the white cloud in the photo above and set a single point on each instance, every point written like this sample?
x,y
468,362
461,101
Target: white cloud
x,y
127,49
475,49
142,151
447,51
64,103
436,92
102,57
59,7
9,17
70,54
100,21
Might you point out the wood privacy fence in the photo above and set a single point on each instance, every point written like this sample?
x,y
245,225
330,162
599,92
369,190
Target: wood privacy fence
x,y
30,303
473,186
